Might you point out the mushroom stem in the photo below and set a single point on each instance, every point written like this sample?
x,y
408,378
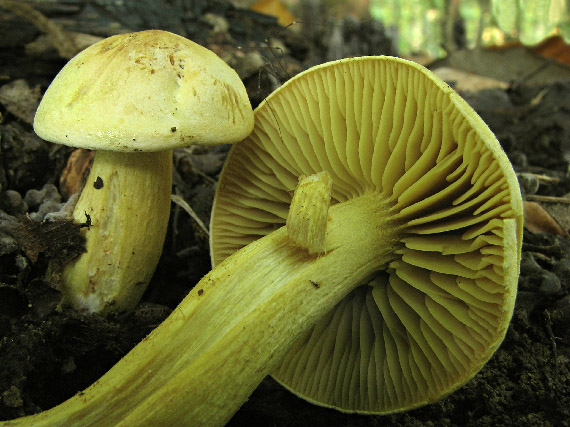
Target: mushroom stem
x,y
198,368
309,211
127,200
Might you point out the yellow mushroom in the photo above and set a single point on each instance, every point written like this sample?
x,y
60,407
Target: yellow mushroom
x,y
417,268
133,98
398,142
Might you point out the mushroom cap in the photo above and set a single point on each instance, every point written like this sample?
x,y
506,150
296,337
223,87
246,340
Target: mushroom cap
x,y
145,91
429,322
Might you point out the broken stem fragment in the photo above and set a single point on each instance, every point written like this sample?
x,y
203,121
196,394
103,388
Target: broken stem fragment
x,y
309,211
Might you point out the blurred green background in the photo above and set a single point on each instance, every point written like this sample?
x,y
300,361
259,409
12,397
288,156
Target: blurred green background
x,y
432,27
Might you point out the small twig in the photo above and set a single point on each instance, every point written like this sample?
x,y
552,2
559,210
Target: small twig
x,y
538,98
184,205
548,199
518,83
548,325
543,179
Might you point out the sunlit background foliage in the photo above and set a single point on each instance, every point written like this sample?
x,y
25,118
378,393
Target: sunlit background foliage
x,y
433,28
426,26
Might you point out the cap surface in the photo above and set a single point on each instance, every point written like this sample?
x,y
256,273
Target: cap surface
x,y
144,91
383,125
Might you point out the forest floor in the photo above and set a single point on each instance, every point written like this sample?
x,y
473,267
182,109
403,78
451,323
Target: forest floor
x,y
48,355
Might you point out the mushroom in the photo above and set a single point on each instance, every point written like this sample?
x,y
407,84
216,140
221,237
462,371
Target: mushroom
x,y
425,319
133,98
404,298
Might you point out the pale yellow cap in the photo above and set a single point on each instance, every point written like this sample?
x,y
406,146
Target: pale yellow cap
x,y
145,91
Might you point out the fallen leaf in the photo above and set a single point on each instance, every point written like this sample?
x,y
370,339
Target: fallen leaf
x,y
60,240
75,172
274,8
538,220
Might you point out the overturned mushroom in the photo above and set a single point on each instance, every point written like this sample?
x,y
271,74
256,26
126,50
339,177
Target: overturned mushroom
x,y
133,98
446,204
417,269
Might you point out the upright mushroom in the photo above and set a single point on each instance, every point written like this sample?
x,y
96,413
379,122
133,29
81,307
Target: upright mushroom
x,y
133,98
404,299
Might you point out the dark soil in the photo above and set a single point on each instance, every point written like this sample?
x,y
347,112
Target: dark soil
x,y
47,356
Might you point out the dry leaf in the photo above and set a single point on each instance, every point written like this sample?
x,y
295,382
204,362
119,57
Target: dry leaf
x,y
60,240
538,220
76,171
274,8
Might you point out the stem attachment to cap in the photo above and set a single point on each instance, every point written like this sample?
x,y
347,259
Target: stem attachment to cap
x,y
309,212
